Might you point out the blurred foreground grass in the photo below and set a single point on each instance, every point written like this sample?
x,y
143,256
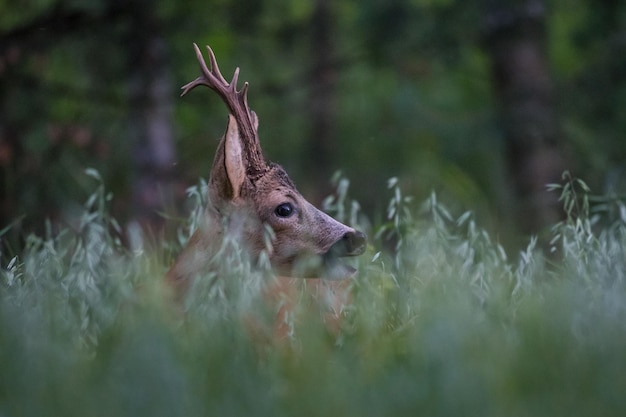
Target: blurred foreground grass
x,y
446,324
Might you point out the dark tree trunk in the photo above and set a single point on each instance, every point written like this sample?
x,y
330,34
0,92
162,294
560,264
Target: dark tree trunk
x,y
322,96
515,39
10,154
151,123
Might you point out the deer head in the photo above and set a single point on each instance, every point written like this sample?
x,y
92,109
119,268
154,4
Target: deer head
x,y
248,193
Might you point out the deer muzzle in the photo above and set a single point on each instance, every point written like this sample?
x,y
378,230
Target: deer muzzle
x,y
351,244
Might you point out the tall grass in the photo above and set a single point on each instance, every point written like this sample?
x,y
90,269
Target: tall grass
x,y
442,323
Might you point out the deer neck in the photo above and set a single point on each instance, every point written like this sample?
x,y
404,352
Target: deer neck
x,y
198,257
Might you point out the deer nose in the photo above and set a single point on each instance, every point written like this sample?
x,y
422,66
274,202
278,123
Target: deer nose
x,y
354,243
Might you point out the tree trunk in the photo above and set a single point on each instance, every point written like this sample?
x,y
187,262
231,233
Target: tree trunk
x,y
320,147
515,39
150,124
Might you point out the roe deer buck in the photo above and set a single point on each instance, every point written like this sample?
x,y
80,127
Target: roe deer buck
x,y
246,194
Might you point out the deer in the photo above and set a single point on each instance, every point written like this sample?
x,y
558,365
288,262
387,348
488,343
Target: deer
x,y
246,195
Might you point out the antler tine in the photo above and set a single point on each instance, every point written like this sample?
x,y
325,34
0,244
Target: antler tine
x,y
244,93
233,82
215,69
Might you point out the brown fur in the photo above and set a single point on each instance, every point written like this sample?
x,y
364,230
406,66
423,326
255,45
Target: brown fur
x,y
245,192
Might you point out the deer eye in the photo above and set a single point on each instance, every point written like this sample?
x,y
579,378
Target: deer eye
x,y
284,210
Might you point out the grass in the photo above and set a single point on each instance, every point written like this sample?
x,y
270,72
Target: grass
x,y
444,324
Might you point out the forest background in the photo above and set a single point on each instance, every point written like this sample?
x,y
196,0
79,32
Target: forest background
x,y
484,101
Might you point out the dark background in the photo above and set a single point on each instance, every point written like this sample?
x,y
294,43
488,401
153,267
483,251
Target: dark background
x,y
484,102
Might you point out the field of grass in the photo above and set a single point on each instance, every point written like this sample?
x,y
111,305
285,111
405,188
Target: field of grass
x,y
446,324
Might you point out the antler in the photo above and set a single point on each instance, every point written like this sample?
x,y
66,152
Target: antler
x,y
237,103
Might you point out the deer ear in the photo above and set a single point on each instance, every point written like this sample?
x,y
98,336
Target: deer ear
x,y
233,157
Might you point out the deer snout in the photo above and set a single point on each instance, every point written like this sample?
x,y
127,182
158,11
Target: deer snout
x,y
352,243
356,242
